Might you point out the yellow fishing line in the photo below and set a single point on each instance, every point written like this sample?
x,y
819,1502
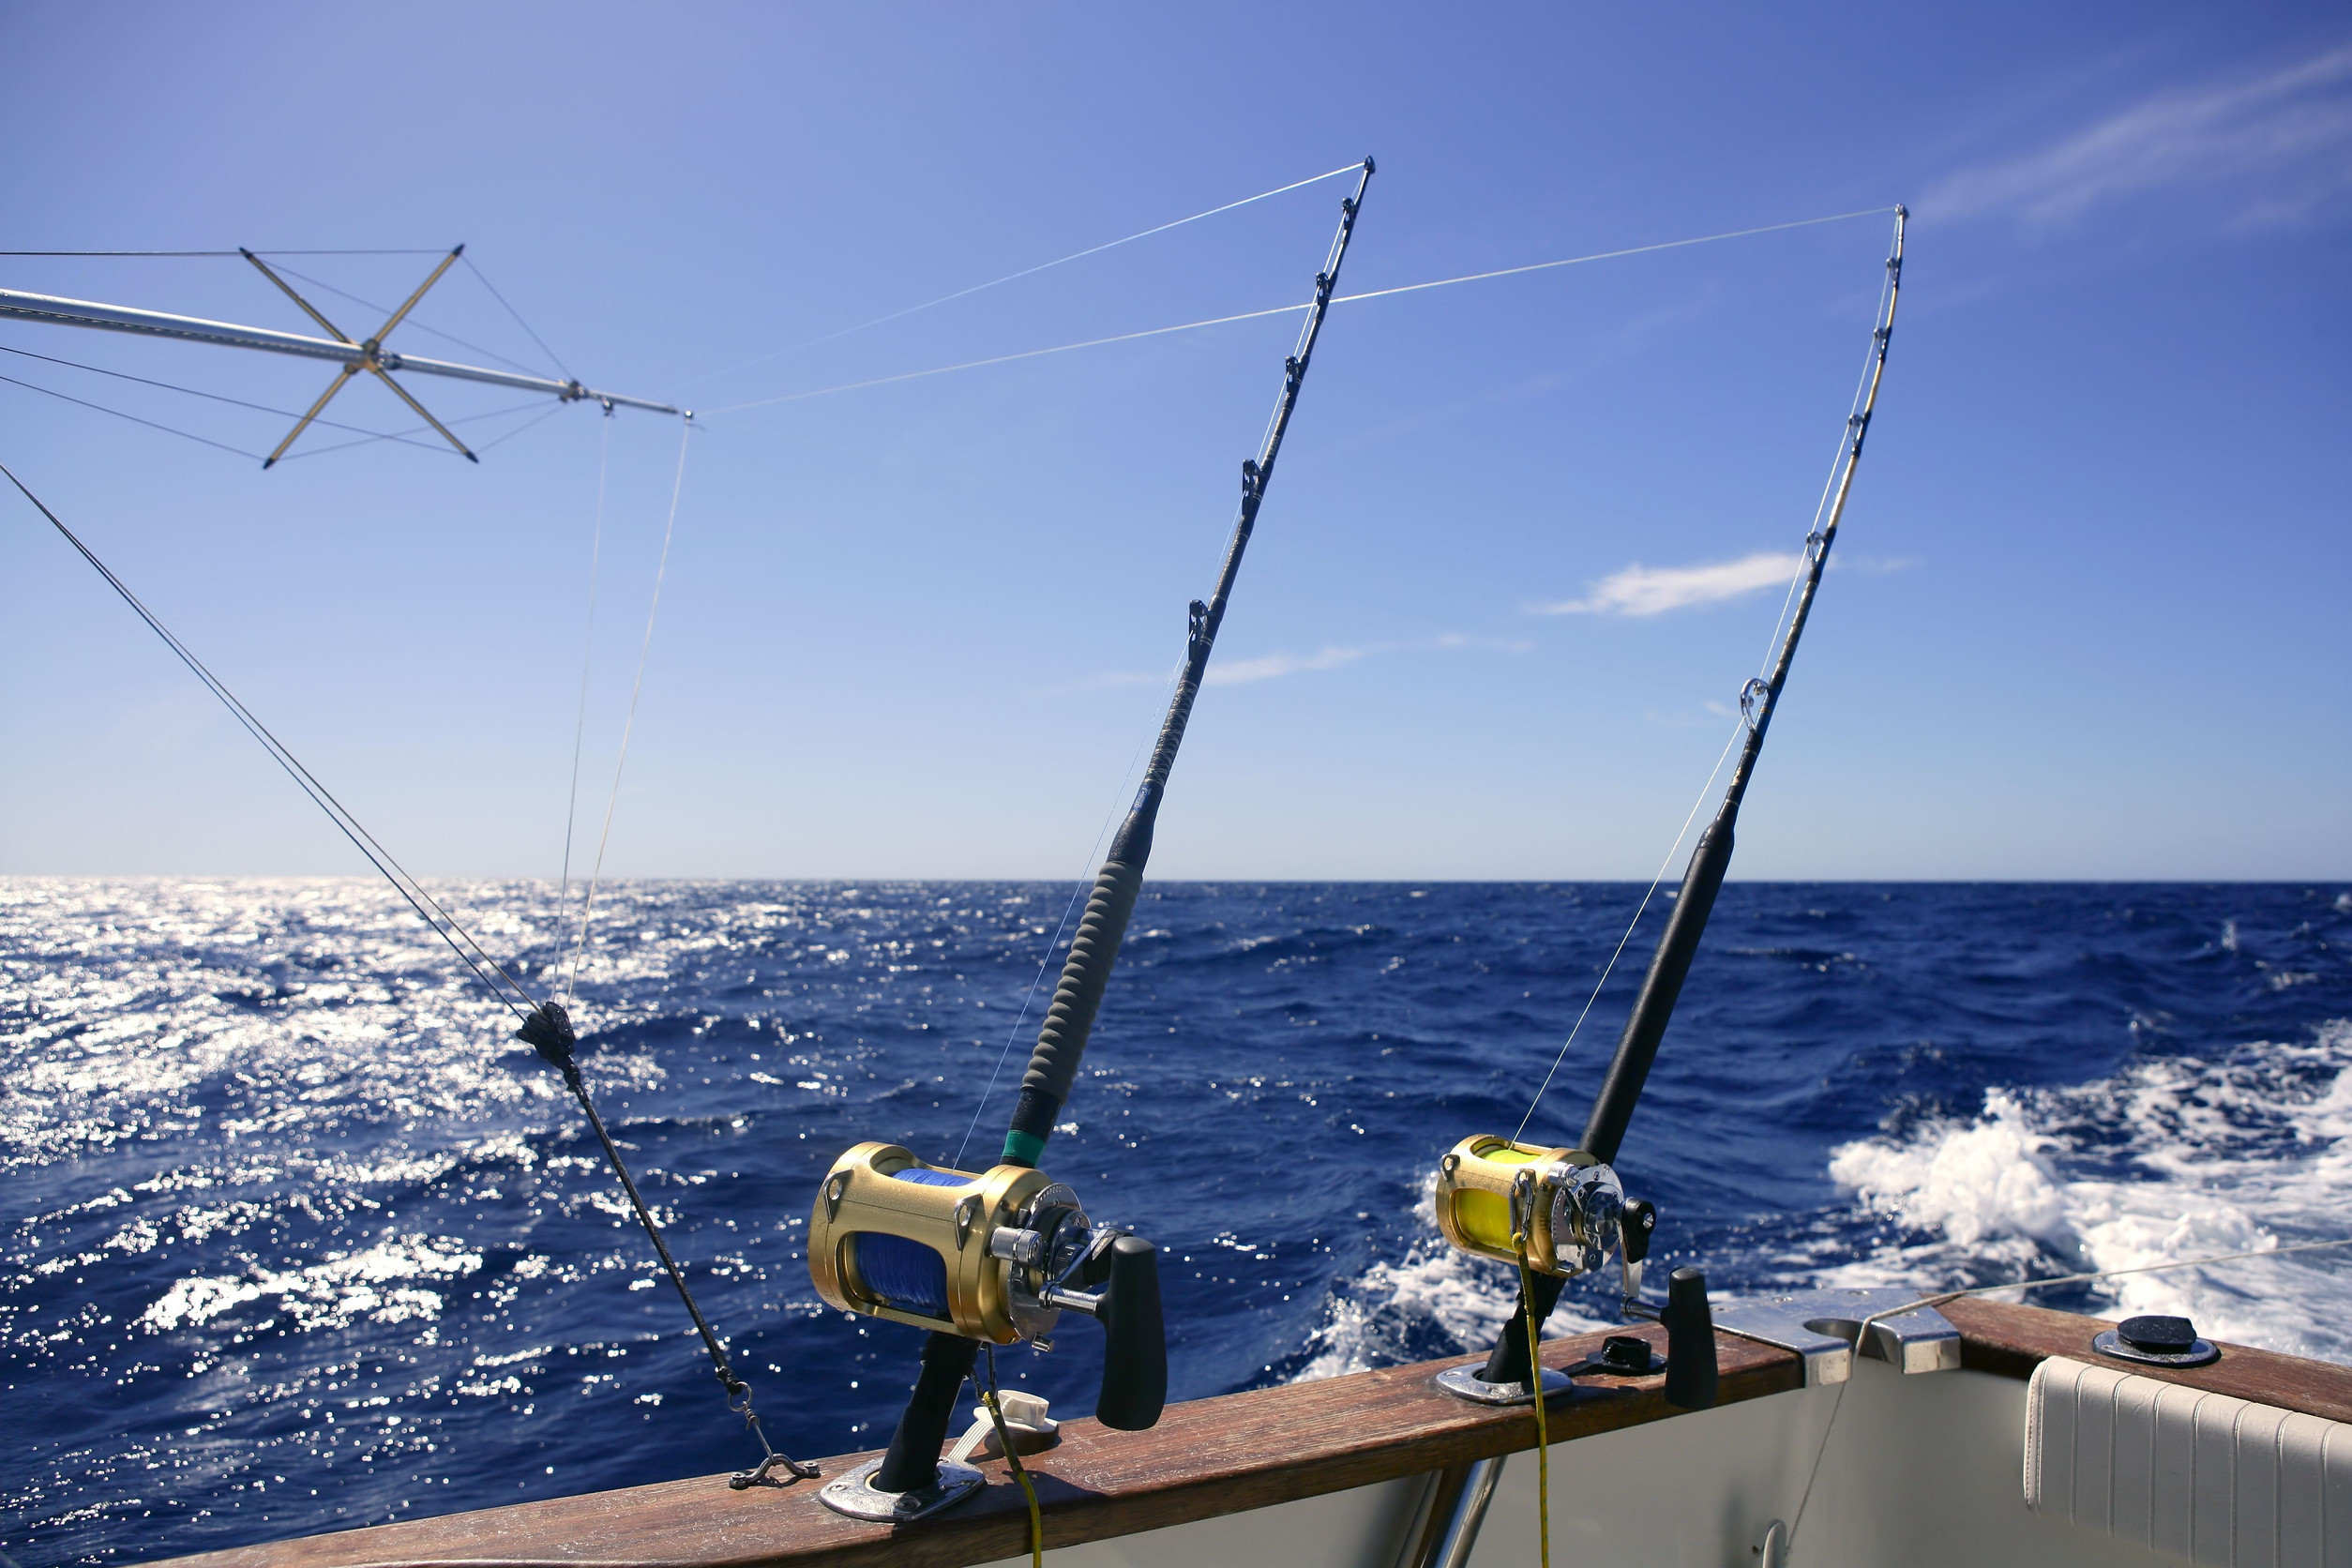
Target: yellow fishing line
x,y
1535,1381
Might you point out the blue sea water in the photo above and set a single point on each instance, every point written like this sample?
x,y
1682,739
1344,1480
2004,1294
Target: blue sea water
x,y
298,1239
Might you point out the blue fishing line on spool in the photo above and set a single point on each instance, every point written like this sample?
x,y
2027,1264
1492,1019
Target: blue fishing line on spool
x,y
907,1275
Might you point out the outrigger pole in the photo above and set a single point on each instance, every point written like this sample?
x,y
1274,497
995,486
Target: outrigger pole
x,y
369,354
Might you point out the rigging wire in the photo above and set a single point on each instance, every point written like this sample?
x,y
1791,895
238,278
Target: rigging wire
x,y
545,1026
428,250
506,988
215,397
1286,310
1025,272
451,337
414,429
483,279
661,569
118,414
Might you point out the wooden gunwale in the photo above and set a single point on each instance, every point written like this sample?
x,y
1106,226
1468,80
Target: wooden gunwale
x,y
1207,1458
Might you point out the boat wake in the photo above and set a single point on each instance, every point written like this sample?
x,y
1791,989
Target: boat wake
x,y
2172,1158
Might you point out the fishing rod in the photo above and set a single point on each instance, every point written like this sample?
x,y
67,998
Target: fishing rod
x,y
994,1257
1558,1212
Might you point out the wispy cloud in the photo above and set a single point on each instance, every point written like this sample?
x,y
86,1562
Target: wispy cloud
x,y
2278,146
1269,666
1654,590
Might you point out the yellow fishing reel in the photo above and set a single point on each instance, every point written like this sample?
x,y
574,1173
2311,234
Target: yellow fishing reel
x,y
975,1256
995,1257
1568,1205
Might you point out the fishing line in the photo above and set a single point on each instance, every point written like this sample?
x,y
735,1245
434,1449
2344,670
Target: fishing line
x,y
1751,718
1282,309
1863,1333
1054,945
1829,484
662,570
1025,272
1704,792
587,660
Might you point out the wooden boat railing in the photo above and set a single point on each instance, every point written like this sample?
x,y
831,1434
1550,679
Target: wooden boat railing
x,y
1207,1458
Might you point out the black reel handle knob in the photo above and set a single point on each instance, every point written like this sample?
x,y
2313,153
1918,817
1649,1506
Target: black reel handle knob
x,y
1134,1360
1639,1218
1690,1325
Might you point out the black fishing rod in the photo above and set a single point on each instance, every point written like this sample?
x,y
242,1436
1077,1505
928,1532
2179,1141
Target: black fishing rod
x,y
992,1259
1568,1229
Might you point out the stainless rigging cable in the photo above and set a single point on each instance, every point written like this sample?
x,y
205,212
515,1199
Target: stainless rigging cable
x,y
166,430
483,279
1286,310
504,988
417,325
195,392
662,570
1011,277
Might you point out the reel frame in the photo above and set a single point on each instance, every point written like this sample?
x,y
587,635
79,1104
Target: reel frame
x,y
1488,1188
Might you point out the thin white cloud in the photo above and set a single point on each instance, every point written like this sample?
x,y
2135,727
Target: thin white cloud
x,y
2278,146
1268,667
1654,590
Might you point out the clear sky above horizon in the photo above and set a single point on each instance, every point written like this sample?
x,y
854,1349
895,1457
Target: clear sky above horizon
x,y
2087,615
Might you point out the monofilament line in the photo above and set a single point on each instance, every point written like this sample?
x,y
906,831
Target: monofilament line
x,y
1053,943
1706,789
1015,277
1286,310
628,726
587,662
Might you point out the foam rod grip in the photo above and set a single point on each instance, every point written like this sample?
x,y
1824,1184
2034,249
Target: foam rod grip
x,y
1690,1325
1135,1361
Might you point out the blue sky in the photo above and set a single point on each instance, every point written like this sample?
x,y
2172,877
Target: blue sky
x,y
2087,616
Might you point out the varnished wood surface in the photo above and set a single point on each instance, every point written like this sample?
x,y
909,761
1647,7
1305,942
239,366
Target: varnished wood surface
x,y
2014,1340
1207,1457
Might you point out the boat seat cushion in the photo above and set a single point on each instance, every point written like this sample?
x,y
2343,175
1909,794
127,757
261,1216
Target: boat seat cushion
x,y
2199,1476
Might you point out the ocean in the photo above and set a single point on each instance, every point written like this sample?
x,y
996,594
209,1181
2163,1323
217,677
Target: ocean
x,y
298,1238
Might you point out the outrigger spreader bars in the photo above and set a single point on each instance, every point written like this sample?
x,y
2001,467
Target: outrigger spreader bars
x,y
367,354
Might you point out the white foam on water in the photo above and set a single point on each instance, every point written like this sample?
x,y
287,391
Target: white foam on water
x,y
2170,1159
382,1283
1383,1316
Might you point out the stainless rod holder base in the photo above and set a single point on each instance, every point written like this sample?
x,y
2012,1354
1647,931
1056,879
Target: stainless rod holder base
x,y
854,1494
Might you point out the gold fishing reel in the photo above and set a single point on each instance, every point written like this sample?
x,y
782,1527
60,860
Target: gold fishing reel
x,y
969,1255
1569,1205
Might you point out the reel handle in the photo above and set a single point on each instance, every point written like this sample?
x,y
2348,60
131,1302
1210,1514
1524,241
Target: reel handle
x,y
1135,1354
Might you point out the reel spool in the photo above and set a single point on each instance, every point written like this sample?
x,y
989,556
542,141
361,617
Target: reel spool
x,y
1570,1205
996,1257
